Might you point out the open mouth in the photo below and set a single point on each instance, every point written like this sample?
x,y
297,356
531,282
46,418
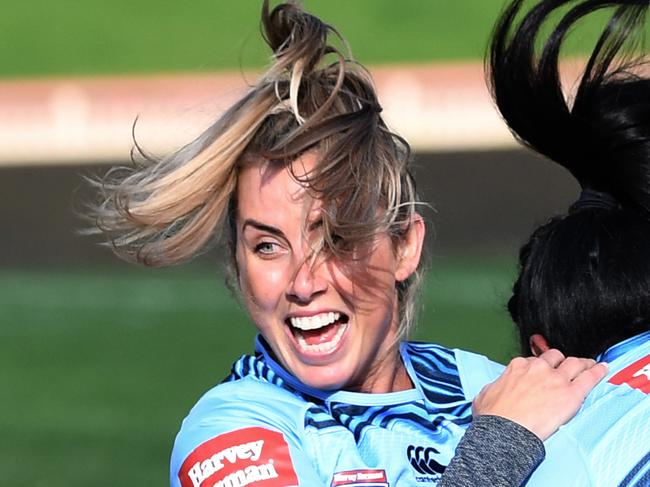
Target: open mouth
x,y
320,333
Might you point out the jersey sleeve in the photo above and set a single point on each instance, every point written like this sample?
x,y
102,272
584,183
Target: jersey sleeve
x,y
233,441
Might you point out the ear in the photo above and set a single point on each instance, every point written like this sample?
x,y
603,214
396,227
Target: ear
x,y
409,249
538,344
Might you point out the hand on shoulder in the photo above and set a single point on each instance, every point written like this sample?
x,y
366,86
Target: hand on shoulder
x,y
540,393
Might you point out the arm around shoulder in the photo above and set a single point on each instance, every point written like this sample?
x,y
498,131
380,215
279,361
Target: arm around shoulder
x,y
495,451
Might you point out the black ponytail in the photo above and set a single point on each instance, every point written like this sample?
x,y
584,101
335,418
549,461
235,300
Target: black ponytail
x,y
584,279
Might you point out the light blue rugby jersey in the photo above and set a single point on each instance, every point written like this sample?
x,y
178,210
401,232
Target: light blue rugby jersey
x,y
333,439
608,442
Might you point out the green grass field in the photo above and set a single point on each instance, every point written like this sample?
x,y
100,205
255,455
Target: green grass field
x,y
129,36
98,368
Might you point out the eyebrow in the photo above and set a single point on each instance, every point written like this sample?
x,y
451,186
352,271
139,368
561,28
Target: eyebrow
x,y
249,222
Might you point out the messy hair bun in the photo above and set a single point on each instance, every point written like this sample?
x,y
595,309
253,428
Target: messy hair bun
x,y
313,97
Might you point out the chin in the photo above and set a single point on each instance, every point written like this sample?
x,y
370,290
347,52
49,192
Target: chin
x,y
324,380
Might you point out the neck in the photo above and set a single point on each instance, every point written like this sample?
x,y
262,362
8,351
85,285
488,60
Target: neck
x,y
390,375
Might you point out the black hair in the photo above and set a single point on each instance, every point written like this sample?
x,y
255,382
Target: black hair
x,y
584,276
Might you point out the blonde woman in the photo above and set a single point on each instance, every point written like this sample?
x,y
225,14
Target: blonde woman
x,y
312,194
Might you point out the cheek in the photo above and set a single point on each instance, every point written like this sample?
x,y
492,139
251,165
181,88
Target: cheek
x,y
262,285
370,284
341,279
366,287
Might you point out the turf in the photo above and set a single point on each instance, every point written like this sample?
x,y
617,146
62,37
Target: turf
x,y
97,368
66,37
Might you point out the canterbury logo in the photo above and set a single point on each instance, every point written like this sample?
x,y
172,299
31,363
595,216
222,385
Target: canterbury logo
x,y
422,459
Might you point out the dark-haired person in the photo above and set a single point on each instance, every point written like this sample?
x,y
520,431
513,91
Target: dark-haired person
x,y
314,197
584,279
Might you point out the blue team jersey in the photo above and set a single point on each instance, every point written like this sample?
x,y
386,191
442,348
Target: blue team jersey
x,y
608,442
263,427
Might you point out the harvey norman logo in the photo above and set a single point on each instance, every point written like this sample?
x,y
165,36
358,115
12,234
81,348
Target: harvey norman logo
x,y
360,478
238,459
203,470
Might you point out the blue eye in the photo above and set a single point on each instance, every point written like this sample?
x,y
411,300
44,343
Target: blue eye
x,y
266,248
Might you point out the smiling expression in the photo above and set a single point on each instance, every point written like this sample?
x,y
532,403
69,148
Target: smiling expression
x,y
322,322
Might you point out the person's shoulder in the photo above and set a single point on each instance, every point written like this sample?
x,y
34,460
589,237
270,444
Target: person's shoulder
x,y
469,371
609,439
247,388
619,403
422,353
628,380
246,401
446,356
242,418
624,391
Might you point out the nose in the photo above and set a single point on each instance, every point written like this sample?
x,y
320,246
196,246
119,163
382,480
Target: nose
x,y
308,282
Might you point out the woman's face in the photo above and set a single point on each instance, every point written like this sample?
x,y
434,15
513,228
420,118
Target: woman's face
x,y
333,326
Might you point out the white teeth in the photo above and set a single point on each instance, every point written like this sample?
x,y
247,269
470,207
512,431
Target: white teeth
x,y
314,322
322,347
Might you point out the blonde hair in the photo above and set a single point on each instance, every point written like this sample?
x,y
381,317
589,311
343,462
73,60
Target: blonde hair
x,y
312,98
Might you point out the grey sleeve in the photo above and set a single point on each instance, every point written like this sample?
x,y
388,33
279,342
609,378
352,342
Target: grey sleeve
x,y
494,451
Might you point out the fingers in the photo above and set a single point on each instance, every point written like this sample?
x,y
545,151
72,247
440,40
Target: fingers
x,y
553,357
571,367
589,377
540,393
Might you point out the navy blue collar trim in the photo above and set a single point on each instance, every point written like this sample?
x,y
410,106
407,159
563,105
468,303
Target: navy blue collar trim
x,y
621,348
292,383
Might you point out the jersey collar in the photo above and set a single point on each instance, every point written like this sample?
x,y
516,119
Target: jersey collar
x,y
358,398
621,348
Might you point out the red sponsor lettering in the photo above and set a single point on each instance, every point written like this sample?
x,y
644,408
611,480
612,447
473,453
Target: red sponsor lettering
x,y
636,375
359,477
249,456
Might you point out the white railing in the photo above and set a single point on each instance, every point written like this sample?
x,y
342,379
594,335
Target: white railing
x,y
90,120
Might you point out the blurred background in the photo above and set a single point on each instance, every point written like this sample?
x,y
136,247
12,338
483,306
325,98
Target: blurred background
x,y
100,360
